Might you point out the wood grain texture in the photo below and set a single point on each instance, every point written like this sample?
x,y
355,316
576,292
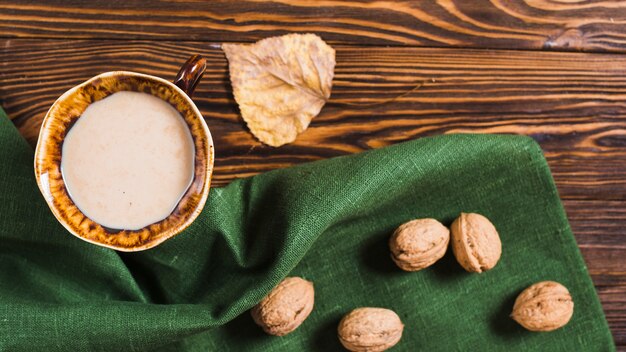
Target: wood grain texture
x,y
514,24
572,103
598,226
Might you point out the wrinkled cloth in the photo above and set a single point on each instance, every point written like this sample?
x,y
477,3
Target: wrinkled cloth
x,y
327,221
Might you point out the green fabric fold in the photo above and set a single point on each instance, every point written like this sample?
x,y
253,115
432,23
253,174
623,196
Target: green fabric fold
x,y
327,221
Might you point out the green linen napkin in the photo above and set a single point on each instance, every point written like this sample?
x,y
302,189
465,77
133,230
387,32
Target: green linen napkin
x,y
326,221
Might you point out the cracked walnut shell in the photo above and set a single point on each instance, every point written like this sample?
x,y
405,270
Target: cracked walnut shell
x,y
544,306
475,242
418,244
285,307
370,330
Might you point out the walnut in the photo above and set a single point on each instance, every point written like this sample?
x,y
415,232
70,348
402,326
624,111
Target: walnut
x,y
475,242
370,330
417,244
544,306
285,307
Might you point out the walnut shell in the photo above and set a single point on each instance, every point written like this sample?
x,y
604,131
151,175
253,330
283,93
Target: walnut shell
x,y
285,307
475,242
417,244
370,330
544,306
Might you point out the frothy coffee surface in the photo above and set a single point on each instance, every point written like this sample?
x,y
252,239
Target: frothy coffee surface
x,y
128,160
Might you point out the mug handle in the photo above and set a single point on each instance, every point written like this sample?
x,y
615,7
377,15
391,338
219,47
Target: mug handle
x,y
190,74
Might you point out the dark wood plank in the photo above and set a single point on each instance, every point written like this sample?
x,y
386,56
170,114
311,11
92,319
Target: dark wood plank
x,y
614,306
598,226
572,103
512,24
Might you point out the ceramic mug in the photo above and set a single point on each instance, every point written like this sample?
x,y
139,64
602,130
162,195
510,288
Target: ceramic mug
x,y
67,110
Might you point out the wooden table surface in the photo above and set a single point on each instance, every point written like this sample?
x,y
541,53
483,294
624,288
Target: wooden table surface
x,y
553,70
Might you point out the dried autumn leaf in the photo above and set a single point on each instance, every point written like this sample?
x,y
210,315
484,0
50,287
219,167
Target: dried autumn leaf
x,y
281,83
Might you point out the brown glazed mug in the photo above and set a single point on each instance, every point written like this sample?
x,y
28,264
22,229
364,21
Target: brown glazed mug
x,y
68,109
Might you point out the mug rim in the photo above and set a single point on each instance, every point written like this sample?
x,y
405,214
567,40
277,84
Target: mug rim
x,y
166,233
